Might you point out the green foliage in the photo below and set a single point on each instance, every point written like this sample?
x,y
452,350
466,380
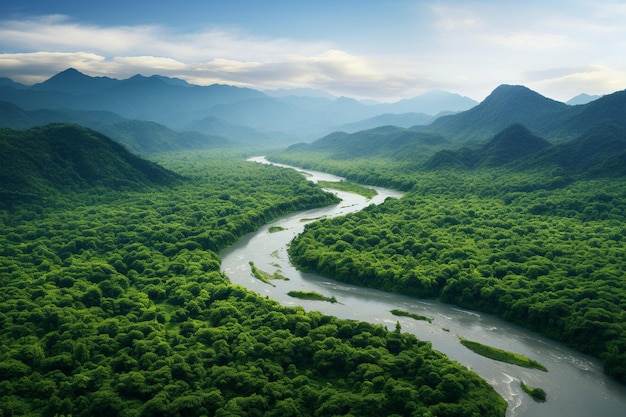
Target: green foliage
x,y
536,394
502,355
403,313
264,276
539,248
350,187
113,304
39,163
311,295
512,144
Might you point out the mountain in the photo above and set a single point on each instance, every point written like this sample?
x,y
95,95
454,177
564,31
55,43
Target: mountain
x,y
513,143
74,82
143,137
388,119
607,110
137,136
12,116
214,126
509,104
154,98
15,117
7,82
582,99
60,157
506,105
386,141
432,103
177,104
598,152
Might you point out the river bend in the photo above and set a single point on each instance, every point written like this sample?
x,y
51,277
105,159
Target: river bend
x,y
575,384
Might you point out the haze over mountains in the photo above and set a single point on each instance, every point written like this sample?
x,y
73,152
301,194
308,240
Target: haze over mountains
x,y
155,114
237,114
514,127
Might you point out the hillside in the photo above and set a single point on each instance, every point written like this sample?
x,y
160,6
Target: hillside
x,y
608,109
57,158
513,143
597,152
405,120
387,141
180,105
431,103
506,105
142,137
582,98
513,104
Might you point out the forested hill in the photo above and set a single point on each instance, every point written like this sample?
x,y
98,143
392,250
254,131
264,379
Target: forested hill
x,y
515,104
598,152
506,105
513,143
60,157
386,141
239,114
138,136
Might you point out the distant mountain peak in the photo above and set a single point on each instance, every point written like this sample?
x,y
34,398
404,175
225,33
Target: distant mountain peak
x,y
68,74
513,143
509,145
507,92
73,81
582,98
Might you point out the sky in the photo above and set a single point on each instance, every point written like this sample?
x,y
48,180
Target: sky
x,y
383,50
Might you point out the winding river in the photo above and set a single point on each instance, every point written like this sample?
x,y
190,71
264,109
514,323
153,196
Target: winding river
x,y
575,384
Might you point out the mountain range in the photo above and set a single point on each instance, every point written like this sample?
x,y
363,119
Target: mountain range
x,y
156,114
516,104
513,127
238,114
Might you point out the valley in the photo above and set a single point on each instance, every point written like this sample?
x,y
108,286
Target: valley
x,y
118,199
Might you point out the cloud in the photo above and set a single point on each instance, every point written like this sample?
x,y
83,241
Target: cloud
x,y
565,83
464,47
30,68
455,19
58,33
209,56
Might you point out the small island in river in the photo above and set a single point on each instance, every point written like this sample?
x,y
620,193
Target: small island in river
x,y
502,355
311,295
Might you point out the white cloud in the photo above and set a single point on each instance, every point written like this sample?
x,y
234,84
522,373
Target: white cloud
x,y
210,56
35,67
563,84
59,33
465,47
456,18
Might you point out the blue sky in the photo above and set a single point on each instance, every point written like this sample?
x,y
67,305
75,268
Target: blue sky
x,y
383,50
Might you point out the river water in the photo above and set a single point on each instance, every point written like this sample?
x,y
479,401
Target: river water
x,y
575,384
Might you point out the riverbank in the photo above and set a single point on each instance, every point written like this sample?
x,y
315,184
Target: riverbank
x,y
575,382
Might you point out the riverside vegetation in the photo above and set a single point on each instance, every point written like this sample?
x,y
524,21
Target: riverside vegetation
x,y
502,355
113,303
538,242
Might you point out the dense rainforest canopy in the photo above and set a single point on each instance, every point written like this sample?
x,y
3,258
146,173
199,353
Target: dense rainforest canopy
x,y
539,244
113,304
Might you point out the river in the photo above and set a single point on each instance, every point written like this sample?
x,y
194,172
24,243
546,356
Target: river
x,y
575,384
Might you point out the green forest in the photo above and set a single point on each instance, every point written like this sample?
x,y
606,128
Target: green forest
x,y
542,247
113,304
